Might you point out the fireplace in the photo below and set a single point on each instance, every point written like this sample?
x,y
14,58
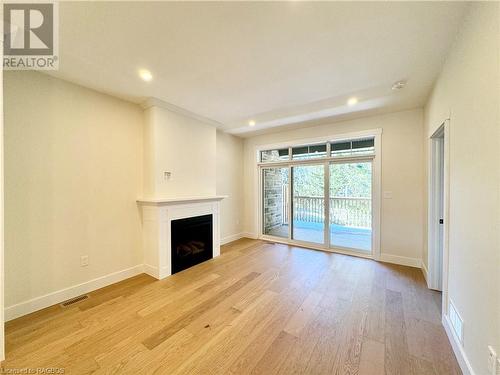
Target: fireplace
x,y
191,242
160,220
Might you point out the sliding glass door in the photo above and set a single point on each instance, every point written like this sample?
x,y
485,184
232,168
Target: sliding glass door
x,y
350,208
322,194
308,203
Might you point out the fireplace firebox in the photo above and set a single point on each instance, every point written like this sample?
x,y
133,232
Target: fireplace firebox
x,y
192,241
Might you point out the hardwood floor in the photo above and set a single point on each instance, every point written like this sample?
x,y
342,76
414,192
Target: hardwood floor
x,y
259,308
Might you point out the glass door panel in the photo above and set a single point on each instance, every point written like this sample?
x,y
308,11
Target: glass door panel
x,y
308,203
275,201
351,205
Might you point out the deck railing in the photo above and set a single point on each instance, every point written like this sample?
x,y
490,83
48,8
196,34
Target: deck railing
x,y
353,212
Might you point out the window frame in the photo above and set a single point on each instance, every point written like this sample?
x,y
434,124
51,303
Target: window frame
x,y
274,149
352,151
328,154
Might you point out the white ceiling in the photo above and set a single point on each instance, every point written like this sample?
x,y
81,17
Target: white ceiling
x,y
277,63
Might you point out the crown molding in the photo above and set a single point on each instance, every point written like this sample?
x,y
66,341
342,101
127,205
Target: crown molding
x,y
155,102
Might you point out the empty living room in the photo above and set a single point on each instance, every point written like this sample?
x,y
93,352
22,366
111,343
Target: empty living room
x,y
250,187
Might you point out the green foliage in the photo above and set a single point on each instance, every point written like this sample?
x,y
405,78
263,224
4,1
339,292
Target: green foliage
x,y
309,180
351,180
346,180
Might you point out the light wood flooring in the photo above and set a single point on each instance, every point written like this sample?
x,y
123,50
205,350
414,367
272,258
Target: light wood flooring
x,y
259,308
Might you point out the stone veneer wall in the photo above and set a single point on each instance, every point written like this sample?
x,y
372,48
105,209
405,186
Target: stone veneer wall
x,y
273,198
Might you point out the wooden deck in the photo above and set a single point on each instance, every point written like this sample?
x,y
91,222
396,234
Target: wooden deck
x,y
259,308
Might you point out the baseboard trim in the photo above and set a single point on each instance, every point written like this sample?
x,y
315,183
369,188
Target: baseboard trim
x,y
249,235
38,303
425,272
232,238
457,347
403,261
151,271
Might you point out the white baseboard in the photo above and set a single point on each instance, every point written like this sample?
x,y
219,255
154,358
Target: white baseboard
x,y
425,271
151,271
249,235
404,261
457,347
232,238
38,303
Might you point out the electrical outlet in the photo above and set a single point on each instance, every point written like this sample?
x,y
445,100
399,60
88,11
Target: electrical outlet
x,y
84,260
492,361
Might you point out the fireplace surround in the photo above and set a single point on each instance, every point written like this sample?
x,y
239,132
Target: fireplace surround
x,y
157,218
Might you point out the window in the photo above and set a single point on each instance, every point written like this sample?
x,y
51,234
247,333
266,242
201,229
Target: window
x,y
309,152
274,155
343,148
356,147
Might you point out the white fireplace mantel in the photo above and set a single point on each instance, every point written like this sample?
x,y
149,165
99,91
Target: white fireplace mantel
x,y
157,215
171,201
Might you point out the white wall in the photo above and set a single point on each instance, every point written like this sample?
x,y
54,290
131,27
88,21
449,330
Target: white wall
x,y
73,172
230,183
76,161
202,160
183,146
468,92
401,216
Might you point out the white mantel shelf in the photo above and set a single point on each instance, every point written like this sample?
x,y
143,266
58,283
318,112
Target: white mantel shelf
x,y
171,201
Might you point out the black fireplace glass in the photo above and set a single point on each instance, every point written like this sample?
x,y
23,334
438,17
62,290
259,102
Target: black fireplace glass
x,y
192,241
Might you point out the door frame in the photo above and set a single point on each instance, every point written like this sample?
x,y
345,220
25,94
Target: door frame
x,y
376,188
438,142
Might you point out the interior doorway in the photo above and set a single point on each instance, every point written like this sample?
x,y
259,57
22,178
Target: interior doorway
x,y
436,212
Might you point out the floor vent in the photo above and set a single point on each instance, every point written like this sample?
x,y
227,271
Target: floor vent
x,y
74,300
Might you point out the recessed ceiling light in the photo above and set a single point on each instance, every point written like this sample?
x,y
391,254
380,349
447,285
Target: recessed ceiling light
x,y
145,75
352,101
251,123
399,85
